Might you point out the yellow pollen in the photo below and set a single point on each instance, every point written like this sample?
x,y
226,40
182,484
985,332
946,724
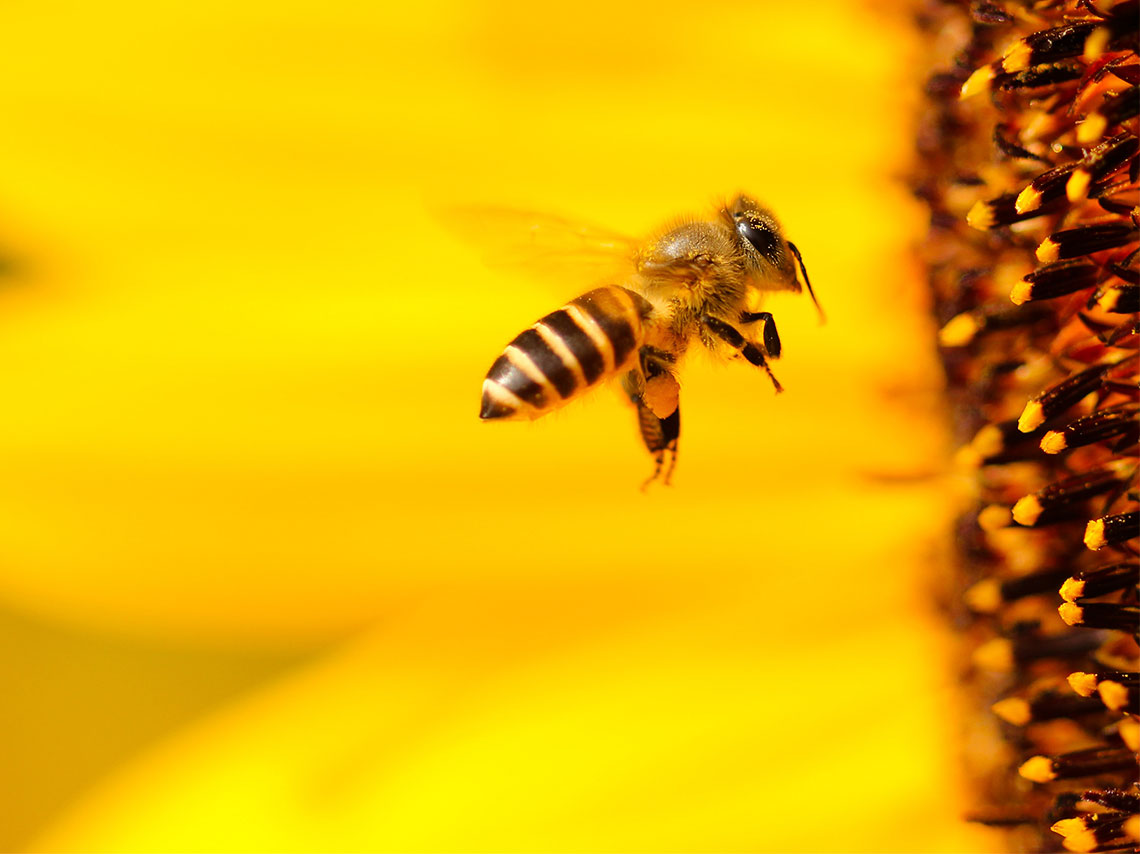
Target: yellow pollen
x,y
959,332
984,597
1021,293
1129,730
1028,200
1113,694
995,655
1071,591
1054,442
1071,614
1095,44
1109,299
1094,535
993,517
1068,826
966,458
1132,825
1039,125
1078,186
1012,710
981,216
977,82
1032,417
1091,129
1017,57
1027,510
1048,251
1039,769
1083,683
1081,842
988,442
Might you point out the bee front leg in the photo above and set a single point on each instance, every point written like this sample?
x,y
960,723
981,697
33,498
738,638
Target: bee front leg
x,y
771,336
732,337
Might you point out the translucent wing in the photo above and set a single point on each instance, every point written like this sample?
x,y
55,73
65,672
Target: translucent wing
x,y
572,255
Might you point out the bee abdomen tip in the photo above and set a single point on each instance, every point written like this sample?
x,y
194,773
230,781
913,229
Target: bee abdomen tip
x,y
497,402
492,409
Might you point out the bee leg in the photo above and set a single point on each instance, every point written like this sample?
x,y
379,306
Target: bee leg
x,y
771,336
658,389
732,337
660,436
654,392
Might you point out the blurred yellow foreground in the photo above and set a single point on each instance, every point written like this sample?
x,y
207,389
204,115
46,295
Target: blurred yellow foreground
x,y
266,583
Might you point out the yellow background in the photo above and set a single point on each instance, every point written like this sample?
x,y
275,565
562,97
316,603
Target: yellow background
x,y
268,584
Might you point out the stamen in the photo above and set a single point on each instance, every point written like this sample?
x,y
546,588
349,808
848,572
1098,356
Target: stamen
x,y
1062,500
1046,187
1058,398
1095,427
1101,615
1110,530
1055,280
1085,240
989,595
1101,162
1045,706
1091,583
1079,763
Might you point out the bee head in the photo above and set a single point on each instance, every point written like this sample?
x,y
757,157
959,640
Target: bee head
x,y
762,242
764,245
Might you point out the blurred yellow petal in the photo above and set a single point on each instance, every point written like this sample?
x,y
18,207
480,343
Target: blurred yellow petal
x,y
241,370
672,730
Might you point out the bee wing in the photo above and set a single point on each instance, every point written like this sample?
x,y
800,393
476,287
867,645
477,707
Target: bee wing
x,y
556,249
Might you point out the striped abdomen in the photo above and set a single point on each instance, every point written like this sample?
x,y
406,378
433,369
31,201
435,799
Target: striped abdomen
x,y
586,341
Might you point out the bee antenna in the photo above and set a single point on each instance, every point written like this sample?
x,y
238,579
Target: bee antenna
x,y
807,281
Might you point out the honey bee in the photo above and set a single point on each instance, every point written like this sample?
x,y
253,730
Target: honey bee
x,y
692,281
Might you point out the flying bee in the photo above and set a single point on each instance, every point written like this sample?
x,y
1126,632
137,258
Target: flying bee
x,y
693,281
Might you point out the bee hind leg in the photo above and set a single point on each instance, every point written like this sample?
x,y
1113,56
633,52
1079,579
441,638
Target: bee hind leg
x,y
654,392
660,436
732,337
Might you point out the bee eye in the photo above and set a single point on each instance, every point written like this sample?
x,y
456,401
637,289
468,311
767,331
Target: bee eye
x,y
762,238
